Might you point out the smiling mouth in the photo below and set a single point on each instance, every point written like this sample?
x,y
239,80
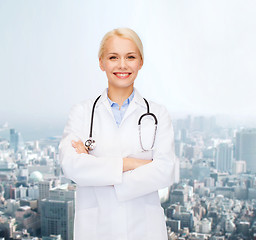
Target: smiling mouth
x,y
122,75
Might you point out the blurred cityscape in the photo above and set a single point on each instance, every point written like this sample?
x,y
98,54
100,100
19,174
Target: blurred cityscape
x,y
214,199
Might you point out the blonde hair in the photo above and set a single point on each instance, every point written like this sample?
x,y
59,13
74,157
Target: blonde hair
x,y
124,33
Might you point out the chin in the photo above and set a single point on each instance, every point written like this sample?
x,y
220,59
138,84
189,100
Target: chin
x,y
121,84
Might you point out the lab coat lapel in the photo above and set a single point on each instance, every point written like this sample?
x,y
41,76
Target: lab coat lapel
x,y
104,100
137,100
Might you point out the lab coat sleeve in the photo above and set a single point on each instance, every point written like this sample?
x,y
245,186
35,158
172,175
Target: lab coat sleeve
x,y
85,169
162,172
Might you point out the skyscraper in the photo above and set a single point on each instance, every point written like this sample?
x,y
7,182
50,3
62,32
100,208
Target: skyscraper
x,y
44,188
224,157
14,139
57,218
246,148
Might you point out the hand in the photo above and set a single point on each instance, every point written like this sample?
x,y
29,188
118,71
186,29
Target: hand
x,y
132,163
79,147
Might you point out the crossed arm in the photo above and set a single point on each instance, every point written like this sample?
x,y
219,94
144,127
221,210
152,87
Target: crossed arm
x,y
88,170
128,163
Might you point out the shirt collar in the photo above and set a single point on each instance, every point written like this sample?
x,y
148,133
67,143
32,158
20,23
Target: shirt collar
x,y
137,98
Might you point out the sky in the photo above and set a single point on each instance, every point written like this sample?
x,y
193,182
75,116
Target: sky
x,y
200,57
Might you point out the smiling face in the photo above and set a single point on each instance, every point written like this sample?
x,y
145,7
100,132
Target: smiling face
x,y
121,61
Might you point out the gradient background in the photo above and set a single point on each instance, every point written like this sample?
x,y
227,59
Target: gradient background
x,y
200,57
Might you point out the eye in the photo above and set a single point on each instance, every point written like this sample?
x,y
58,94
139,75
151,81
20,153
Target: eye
x,y
131,57
113,57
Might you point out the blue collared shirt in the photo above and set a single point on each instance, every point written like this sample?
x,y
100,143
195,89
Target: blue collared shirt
x,y
119,114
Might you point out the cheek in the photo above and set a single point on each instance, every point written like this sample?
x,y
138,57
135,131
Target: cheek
x,y
135,65
109,67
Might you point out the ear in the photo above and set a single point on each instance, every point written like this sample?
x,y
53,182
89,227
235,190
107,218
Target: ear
x,y
141,63
101,64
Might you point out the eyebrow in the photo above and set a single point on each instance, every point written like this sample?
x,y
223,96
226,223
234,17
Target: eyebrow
x,y
127,53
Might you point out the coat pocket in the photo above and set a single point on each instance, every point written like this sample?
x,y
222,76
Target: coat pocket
x,y
155,220
86,224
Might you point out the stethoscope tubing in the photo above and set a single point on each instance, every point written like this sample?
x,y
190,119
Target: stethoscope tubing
x,y
90,143
92,116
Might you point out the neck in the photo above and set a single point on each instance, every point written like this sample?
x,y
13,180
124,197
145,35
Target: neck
x,y
119,95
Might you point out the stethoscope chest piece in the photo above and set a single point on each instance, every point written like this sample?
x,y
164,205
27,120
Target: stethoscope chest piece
x,y
90,144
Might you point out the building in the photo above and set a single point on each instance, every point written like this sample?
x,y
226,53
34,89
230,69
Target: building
x,y
7,226
36,177
27,219
14,140
57,218
178,196
239,167
32,203
52,237
11,206
44,189
243,228
186,219
205,226
230,226
178,148
33,192
63,192
18,193
246,148
228,192
174,225
224,157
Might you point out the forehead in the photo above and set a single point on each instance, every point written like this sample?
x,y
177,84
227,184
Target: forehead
x,y
120,45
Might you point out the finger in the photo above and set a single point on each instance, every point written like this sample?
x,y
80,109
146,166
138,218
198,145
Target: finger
x,y
80,144
80,151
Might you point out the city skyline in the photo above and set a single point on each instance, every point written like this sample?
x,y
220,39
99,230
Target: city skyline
x,y
32,131
214,198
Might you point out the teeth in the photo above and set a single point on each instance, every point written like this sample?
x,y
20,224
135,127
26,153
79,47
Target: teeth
x,y
122,74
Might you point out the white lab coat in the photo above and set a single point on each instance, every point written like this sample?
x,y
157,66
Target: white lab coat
x,y
110,204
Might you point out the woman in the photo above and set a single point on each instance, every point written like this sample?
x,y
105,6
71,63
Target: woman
x,y
118,181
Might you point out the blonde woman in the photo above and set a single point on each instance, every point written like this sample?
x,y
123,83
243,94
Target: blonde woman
x,y
118,166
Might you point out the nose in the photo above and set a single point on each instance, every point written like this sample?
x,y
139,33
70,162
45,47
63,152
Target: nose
x,y
122,63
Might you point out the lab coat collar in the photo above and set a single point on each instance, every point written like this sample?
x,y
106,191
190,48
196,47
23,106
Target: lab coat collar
x,y
137,98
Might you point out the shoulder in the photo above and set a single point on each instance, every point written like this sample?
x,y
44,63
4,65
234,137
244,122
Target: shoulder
x,y
157,106
159,109
87,104
82,108
165,123
84,104
154,107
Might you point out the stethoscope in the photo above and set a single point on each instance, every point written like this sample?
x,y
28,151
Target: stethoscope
x,y
90,142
